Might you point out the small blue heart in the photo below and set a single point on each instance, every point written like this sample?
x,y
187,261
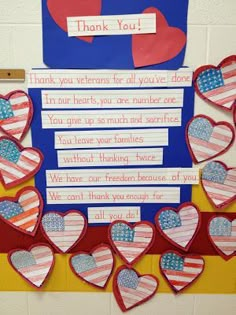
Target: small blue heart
x,y
169,219
52,222
82,263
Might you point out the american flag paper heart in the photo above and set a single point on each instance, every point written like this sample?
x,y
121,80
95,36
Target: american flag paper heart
x,y
180,271
24,211
132,289
16,112
219,183
217,85
179,226
207,139
222,233
64,230
34,265
96,267
17,164
131,242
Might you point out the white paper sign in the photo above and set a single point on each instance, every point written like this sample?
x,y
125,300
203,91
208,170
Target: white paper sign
x,y
110,214
111,24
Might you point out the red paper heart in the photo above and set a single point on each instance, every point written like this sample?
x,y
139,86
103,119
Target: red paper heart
x,y
223,244
129,241
61,9
132,289
150,49
234,115
217,85
180,236
207,139
34,264
95,267
28,164
64,230
179,270
20,113
31,202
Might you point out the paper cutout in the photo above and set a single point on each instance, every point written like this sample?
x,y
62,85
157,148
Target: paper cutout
x,y
134,176
16,112
34,264
111,138
234,116
111,214
179,226
64,230
217,85
113,157
60,10
222,233
24,211
111,25
55,78
218,182
131,242
207,139
114,195
111,118
132,289
167,43
180,271
17,164
74,99
95,267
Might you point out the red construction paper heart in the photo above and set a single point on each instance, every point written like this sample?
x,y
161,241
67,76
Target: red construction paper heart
x,y
16,112
132,289
150,49
61,9
34,264
207,139
95,267
30,202
218,182
179,270
17,164
179,226
223,240
217,85
64,230
234,116
131,242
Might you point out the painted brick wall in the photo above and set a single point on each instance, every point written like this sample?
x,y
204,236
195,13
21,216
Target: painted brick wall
x,y
211,37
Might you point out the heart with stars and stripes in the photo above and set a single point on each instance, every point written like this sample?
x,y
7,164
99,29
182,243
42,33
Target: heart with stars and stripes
x,y
24,211
16,112
179,226
180,271
222,233
217,85
64,230
95,267
34,265
219,183
132,289
207,139
131,242
17,164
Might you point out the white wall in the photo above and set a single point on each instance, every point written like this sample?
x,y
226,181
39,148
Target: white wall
x,y
211,37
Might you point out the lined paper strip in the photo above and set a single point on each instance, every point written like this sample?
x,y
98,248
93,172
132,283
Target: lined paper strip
x,y
61,78
111,118
74,99
111,24
133,176
110,214
132,195
111,138
117,157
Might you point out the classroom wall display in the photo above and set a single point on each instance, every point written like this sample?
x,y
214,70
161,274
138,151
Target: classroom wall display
x,y
125,35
